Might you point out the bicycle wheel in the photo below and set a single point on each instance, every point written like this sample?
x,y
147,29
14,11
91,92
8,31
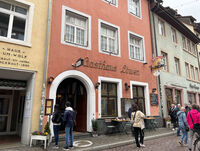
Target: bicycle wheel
x,y
197,144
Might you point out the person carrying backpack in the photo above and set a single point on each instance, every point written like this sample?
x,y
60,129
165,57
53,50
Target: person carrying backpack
x,y
193,119
56,119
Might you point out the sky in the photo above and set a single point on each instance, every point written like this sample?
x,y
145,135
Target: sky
x,y
185,7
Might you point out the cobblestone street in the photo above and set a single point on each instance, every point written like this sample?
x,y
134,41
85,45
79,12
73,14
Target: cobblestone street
x,y
169,143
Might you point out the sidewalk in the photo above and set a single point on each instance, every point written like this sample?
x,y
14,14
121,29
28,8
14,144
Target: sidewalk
x,y
95,143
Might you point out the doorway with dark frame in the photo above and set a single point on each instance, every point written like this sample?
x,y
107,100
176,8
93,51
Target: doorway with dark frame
x,y
74,91
11,115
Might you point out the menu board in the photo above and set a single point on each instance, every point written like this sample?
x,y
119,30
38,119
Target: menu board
x,y
154,99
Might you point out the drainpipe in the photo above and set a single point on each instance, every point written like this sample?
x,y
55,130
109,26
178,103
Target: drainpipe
x,y
155,53
45,67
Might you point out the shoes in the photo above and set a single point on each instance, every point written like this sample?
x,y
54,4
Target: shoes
x,y
178,135
71,147
173,129
142,145
181,143
185,145
56,147
65,148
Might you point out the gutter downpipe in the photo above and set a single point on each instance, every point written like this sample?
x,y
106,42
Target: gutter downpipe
x,y
155,53
45,67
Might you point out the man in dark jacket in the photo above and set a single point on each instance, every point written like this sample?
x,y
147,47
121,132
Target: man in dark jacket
x,y
173,115
69,117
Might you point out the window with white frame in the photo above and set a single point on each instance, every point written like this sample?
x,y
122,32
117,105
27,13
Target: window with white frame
x,y
136,48
161,27
165,61
196,74
14,21
184,42
113,2
109,42
76,29
174,37
177,66
134,7
187,70
192,72
108,99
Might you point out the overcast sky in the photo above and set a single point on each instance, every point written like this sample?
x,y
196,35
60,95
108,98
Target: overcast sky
x,y
185,7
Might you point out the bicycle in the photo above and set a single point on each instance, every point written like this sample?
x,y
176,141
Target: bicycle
x,y
197,142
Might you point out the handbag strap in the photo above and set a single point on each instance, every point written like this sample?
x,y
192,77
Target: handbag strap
x,y
134,115
191,118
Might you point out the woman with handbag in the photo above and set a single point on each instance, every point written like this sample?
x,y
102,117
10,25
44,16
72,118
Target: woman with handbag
x,y
138,126
183,125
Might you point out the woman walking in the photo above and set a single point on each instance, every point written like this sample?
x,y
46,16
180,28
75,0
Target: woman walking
x,y
138,125
183,125
56,119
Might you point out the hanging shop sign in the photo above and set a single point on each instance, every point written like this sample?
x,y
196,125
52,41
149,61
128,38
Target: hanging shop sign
x,y
158,63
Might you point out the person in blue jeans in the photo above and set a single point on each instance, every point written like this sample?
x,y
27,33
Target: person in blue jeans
x,y
56,119
69,118
183,126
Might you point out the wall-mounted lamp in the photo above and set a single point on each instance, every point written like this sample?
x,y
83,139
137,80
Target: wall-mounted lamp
x,y
97,85
145,63
154,90
50,80
126,86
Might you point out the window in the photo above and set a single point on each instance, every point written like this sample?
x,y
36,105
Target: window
x,y
196,74
75,28
136,48
192,72
178,96
194,49
113,2
109,39
191,98
174,37
108,99
139,98
187,70
169,97
184,43
165,61
177,66
134,7
161,27
14,22
189,45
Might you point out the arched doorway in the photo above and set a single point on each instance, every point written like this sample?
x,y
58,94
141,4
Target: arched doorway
x,y
89,86
74,91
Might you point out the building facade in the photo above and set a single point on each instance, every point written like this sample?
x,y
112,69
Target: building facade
x,y
179,80
22,53
109,38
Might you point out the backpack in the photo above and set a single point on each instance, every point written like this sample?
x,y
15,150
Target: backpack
x,y
57,118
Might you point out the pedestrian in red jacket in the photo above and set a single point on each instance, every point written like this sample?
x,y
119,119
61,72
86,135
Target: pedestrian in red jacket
x,y
196,119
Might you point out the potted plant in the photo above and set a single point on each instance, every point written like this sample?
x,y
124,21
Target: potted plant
x,y
94,127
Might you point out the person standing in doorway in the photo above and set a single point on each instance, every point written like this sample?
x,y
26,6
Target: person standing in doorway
x,y
138,125
69,118
173,115
56,119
